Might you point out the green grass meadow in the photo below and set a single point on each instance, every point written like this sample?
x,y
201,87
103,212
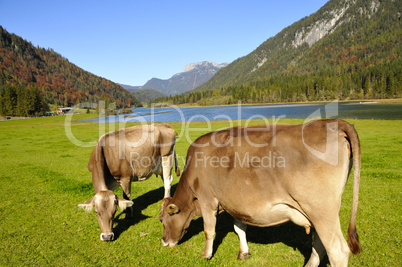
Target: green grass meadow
x,y
44,175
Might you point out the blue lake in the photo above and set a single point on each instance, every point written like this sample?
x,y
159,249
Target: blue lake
x,y
352,110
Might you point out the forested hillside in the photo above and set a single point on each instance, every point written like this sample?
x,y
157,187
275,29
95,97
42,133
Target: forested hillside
x,y
25,69
147,95
349,49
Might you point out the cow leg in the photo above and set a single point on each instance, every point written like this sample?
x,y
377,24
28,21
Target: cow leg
x,y
209,217
318,252
167,165
335,244
240,229
126,186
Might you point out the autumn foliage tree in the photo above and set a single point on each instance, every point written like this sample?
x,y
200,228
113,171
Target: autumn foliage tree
x,y
22,101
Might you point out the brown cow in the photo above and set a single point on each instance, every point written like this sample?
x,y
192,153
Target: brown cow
x,y
131,154
267,175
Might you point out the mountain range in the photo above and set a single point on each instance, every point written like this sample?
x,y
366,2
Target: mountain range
x,y
193,75
346,20
348,49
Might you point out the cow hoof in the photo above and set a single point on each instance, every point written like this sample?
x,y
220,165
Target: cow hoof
x,y
243,255
208,257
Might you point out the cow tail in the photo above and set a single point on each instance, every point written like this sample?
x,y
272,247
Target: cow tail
x,y
176,163
353,237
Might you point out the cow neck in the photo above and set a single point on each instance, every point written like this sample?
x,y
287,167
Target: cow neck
x,y
98,181
183,196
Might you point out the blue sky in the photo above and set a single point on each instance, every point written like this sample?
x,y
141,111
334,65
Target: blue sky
x,y
131,42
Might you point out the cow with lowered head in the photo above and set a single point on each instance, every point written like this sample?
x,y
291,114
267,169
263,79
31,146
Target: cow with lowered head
x,y
123,156
267,175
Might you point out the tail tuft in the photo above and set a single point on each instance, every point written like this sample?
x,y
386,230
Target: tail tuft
x,y
353,239
177,171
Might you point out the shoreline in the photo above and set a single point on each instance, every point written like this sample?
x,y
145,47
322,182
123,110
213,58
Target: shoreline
x,y
364,101
377,101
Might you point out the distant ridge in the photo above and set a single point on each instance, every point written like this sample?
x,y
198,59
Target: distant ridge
x,y
193,75
130,87
147,95
143,95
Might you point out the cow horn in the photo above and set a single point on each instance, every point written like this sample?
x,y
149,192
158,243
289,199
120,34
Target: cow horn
x,y
307,229
172,209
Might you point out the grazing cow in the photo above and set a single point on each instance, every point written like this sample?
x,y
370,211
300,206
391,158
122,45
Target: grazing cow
x,y
267,175
131,154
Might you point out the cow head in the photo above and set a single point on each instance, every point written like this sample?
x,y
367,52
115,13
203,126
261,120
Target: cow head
x,y
176,220
105,204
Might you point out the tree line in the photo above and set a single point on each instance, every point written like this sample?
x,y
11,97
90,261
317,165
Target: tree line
x,y
375,82
24,101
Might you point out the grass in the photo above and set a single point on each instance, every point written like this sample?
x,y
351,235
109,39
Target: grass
x,y
43,176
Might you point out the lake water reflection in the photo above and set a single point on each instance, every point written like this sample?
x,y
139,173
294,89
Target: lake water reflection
x,y
353,110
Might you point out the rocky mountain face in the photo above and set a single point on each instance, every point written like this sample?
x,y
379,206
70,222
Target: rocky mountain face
x,y
193,75
316,31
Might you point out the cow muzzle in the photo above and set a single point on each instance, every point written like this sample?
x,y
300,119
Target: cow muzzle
x,y
167,244
107,237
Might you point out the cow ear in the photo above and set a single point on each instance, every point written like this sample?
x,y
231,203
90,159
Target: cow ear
x,y
172,209
165,200
88,205
124,204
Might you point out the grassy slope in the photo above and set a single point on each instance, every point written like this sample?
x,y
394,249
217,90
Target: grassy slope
x,y
43,176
